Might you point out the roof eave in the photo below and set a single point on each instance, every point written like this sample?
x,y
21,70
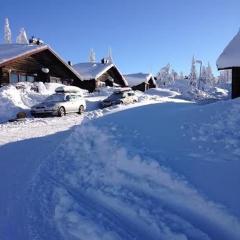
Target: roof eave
x,y
104,70
28,53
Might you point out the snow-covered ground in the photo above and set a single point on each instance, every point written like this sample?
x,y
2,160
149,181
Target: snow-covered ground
x,y
163,168
217,92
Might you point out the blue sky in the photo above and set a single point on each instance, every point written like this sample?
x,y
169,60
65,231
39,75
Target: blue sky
x,y
144,35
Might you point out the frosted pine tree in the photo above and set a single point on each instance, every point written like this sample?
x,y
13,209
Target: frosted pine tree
x,y
181,76
92,56
225,77
109,57
210,76
174,76
164,76
193,74
22,37
203,79
7,32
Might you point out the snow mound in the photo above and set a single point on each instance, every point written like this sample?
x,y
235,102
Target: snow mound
x,y
161,92
10,102
22,96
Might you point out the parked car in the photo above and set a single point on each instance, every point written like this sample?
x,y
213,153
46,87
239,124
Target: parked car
x,y
120,97
60,104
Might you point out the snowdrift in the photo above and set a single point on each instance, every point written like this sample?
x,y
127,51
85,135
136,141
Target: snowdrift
x,y
156,172
21,96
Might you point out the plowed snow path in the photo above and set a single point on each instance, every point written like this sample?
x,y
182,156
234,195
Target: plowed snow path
x,y
36,127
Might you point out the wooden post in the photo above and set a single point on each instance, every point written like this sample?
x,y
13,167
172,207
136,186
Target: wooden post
x,y
235,82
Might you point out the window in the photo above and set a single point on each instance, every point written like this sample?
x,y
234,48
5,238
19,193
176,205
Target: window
x,y
22,78
30,78
13,78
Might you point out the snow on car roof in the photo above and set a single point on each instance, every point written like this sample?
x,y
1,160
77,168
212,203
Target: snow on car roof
x,y
12,51
90,70
68,89
230,56
138,78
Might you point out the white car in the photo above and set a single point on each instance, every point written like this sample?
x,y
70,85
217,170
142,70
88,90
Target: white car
x,y
60,104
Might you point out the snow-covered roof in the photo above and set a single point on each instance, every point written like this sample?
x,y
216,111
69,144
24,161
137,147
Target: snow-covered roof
x,y
11,51
90,70
230,56
138,78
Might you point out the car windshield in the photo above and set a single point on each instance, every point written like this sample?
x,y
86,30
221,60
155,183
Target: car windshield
x,y
56,98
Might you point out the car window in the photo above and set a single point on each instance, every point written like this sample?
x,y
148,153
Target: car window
x,y
73,98
78,97
55,98
68,97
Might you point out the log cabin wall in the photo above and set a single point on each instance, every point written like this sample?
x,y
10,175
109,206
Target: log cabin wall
x,y
141,87
151,83
236,82
32,66
3,77
89,85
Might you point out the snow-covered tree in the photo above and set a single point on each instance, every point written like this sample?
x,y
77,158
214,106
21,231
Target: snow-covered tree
x,y
225,76
92,56
210,77
181,76
174,75
22,37
7,32
203,79
109,57
193,74
165,76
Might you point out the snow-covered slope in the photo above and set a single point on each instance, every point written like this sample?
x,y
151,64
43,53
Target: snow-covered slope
x,y
162,171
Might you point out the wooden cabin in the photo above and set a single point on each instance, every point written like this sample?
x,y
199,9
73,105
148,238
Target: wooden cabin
x,y
33,62
230,59
141,81
95,75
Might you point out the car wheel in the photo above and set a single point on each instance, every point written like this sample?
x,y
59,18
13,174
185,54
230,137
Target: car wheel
x,y
61,112
81,109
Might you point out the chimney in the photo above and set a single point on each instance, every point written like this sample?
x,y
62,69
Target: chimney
x,y
36,41
104,61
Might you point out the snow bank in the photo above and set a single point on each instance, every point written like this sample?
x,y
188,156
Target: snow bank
x,y
21,96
